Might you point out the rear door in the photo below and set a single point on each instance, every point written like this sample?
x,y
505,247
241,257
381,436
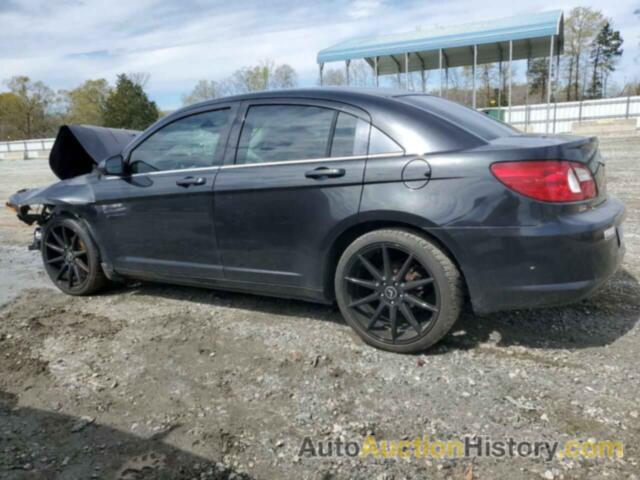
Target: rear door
x,y
160,216
295,176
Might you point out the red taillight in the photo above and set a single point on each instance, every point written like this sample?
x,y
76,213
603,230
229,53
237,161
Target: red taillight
x,y
547,180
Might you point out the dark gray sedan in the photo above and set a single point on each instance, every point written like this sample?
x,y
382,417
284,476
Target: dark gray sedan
x,y
396,205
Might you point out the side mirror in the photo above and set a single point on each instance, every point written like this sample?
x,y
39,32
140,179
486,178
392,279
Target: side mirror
x,y
112,166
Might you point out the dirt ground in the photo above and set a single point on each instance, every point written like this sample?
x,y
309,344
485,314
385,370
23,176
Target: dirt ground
x,y
169,382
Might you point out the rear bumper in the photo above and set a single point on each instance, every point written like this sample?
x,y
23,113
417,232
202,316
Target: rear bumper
x,y
555,263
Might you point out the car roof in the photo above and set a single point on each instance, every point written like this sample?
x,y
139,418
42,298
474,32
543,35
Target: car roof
x,y
353,95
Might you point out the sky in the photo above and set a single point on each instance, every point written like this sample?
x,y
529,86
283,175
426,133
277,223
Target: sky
x,y
178,42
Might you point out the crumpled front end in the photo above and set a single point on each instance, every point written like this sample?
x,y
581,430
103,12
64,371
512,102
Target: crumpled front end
x,y
75,154
35,205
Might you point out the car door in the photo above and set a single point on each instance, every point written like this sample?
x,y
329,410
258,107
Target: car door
x,y
296,174
159,217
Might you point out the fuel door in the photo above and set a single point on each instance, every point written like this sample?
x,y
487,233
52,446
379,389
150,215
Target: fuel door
x,y
416,173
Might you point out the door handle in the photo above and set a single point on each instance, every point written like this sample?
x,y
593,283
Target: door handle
x,y
188,181
324,172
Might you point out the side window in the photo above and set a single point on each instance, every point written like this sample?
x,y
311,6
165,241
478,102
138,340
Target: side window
x,y
350,136
191,142
276,133
381,143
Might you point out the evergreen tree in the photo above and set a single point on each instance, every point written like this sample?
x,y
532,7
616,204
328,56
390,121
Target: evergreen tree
x,y
129,107
604,54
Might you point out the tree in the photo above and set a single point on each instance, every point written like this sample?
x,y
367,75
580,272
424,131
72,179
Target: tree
x,y
204,90
139,78
284,76
581,27
10,106
334,77
264,76
539,75
34,100
487,76
604,54
87,103
129,107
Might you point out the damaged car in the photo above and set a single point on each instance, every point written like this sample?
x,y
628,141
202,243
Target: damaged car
x,y
398,206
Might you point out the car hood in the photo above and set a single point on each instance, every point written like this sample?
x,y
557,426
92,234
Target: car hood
x,y
73,191
79,148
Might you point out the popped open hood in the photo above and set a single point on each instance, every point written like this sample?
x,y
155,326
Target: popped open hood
x,y
79,148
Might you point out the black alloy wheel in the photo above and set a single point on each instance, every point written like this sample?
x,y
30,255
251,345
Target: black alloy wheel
x,y
391,293
71,258
398,290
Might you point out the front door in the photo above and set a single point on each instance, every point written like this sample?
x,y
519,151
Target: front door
x,y
296,176
159,218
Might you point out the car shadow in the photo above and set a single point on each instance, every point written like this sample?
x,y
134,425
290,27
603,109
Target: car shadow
x,y
41,444
596,321
229,299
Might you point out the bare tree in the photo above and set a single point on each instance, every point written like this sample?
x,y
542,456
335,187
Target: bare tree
x,y
581,27
266,75
35,99
334,77
204,90
284,76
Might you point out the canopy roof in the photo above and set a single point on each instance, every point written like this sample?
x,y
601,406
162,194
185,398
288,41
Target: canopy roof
x,y
531,36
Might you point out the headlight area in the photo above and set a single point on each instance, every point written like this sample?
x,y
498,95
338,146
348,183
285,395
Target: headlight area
x,y
31,214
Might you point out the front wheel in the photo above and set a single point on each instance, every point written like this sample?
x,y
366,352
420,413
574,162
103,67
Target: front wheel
x,y
398,290
71,257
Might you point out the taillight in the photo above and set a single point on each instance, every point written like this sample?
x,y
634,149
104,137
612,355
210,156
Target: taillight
x,y
547,180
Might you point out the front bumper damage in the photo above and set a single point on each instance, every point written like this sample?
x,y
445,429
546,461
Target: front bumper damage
x,y
36,244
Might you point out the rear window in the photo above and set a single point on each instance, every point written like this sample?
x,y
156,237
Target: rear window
x,y
475,122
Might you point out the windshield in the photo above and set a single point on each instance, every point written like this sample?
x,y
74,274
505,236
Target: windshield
x,y
475,122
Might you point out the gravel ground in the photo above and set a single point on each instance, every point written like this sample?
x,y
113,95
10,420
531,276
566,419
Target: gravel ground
x,y
169,382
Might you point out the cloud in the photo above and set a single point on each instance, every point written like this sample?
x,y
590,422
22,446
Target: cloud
x,y
363,8
182,41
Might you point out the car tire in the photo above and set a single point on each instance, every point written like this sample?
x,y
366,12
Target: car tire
x,y
394,269
71,257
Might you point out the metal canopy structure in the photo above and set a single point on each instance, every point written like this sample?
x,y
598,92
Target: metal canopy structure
x,y
495,41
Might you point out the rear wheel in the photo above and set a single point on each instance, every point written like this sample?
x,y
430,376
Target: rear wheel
x,y
71,257
398,290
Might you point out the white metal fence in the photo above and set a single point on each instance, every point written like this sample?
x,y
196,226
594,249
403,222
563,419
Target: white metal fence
x,y
26,149
559,117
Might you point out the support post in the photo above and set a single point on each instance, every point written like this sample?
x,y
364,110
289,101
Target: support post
x,y
580,110
440,69
526,96
555,90
500,77
406,72
473,71
500,83
321,69
510,76
446,76
546,129
375,68
626,115
346,64
423,82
